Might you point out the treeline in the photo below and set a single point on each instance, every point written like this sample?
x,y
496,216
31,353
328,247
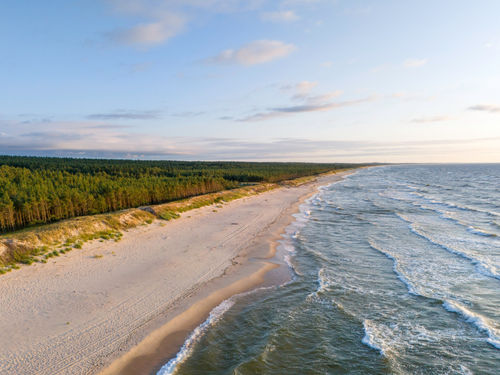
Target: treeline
x,y
41,190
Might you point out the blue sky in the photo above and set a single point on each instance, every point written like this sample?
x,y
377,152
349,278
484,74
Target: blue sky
x,y
305,80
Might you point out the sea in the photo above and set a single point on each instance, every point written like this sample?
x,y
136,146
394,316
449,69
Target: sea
x,y
396,270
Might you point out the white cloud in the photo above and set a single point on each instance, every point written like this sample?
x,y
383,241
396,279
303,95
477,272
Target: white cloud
x,y
152,7
424,120
151,33
324,98
125,115
414,63
301,89
305,87
493,44
486,108
400,95
318,103
303,101
304,2
257,52
409,96
91,139
220,6
280,16
164,19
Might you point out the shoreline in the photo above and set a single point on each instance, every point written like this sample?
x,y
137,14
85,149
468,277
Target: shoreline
x,y
165,343
147,293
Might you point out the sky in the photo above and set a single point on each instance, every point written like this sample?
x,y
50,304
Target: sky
x,y
258,80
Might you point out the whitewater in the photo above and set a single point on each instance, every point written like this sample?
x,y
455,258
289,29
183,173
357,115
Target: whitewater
x,y
396,270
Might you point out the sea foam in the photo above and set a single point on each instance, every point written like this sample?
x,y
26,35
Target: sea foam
x,y
188,347
483,266
373,337
481,322
397,269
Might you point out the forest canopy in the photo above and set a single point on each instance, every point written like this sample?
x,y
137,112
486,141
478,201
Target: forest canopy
x,y
37,190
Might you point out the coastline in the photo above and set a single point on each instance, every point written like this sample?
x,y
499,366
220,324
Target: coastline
x,y
157,337
163,344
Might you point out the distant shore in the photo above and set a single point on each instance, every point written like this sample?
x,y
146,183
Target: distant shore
x,y
127,307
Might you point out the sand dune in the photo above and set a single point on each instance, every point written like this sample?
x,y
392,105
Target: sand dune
x,y
78,313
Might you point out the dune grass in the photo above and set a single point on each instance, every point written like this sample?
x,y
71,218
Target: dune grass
x,y
38,244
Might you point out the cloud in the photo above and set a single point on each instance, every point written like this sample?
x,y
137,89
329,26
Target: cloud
x,y
164,19
301,89
304,2
485,108
188,114
85,139
424,120
108,126
37,120
409,96
493,44
280,16
414,63
303,149
319,107
220,6
304,88
161,20
257,52
148,34
312,105
302,101
323,98
125,115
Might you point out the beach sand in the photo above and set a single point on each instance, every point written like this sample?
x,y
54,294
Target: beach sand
x,y
127,307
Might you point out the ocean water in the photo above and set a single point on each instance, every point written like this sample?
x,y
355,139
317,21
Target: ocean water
x,y
396,271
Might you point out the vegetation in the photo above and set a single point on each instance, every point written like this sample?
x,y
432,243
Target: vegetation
x,y
43,190
40,243
31,185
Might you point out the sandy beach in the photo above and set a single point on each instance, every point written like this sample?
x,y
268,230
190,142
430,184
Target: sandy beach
x,y
127,307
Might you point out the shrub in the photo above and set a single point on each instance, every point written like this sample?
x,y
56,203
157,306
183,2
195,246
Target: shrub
x,y
168,215
26,260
